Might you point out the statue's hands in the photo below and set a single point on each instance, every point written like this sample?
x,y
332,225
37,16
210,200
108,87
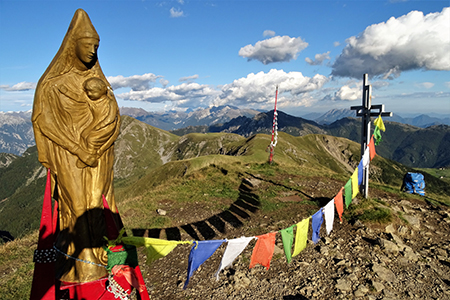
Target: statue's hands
x,y
88,158
91,160
74,96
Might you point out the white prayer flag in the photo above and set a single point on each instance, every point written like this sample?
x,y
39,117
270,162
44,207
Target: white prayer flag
x,y
234,248
328,212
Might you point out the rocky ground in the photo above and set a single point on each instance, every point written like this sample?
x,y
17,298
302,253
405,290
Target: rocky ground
x,y
406,259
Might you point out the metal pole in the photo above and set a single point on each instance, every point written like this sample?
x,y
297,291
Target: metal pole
x,y
365,134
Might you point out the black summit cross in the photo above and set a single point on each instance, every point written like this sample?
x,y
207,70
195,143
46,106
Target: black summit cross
x,y
365,111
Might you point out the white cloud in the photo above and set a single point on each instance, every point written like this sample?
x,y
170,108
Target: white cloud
x,y
183,93
412,41
164,82
294,90
447,84
349,92
176,13
181,2
19,87
188,78
426,85
135,82
268,33
318,59
276,49
260,87
336,44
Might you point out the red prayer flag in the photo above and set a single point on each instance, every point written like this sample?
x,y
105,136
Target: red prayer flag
x,y
339,203
372,148
263,251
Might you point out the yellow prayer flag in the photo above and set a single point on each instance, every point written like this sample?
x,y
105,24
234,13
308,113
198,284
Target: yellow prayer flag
x,y
301,236
379,122
355,187
155,248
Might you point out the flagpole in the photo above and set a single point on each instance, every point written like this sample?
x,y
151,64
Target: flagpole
x,y
274,125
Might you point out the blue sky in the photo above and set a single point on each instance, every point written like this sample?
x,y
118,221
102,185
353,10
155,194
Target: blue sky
x,y
164,55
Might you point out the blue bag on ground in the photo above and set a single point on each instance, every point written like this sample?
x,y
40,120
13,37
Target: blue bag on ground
x,y
414,183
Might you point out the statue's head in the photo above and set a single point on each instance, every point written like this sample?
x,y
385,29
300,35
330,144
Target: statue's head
x,y
86,51
95,88
86,39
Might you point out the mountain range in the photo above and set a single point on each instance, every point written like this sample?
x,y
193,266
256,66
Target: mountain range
x,y
146,157
411,145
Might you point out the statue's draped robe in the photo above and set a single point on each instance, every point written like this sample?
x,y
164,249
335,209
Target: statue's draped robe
x,y
79,191
58,122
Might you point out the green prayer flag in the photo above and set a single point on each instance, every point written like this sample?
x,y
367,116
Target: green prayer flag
x,y
377,135
348,192
287,236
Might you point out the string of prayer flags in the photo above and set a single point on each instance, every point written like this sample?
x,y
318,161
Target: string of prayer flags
x,y
348,192
339,203
316,223
371,147
263,251
328,212
234,248
264,248
155,248
301,236
200,252
355,186
287,236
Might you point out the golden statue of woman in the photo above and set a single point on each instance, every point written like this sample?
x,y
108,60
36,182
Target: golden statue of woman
x,y
76,143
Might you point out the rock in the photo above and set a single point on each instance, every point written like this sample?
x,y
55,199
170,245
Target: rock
x,y
412,220
361,291
409,254
384,273
353,277
402,230
343,284
378,286
390,229
389,246
278,250
324,250
161,212
399,241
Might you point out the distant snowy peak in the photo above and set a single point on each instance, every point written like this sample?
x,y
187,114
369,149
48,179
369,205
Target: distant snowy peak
x,y
334,115
171,120
15,118
16,132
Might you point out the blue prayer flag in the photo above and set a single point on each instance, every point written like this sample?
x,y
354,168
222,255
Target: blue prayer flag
x,y
317,220
360,172
200,252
